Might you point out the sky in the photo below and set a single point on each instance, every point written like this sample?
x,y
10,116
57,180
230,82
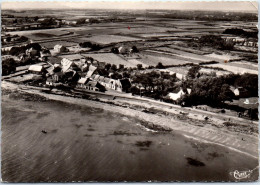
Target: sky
x,y
214,5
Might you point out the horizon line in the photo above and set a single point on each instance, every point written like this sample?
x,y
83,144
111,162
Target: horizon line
x,y
230,6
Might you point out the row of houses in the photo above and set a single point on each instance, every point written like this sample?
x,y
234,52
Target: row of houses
x,y
239,92
241,41
20,27
121,85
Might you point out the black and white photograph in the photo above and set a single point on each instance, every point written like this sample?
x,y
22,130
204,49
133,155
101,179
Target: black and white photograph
x,y
121,91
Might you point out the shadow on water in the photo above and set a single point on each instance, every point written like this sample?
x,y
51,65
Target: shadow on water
x,y
194,162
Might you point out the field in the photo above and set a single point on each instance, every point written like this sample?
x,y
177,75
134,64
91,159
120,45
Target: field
x,y
171,59
153,60
51,44
187,55
108,39
109,58
218,72
42,34
234,69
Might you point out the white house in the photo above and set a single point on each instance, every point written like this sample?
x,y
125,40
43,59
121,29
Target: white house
x,y
176,96
59,48
36,69
66,64
91,70
179,94
83,82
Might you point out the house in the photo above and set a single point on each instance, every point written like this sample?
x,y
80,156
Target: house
x,y
44,55
67,65
50,82
122,50
101,79
175,96
106,82
60,48
84,68
82,83
95,77
91,70
112,84
54,60
31,52
37,69
6,49
95,86
71,22
240,92
57,77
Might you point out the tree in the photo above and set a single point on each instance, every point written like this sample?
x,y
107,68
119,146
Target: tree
x,y
95,47
23,39
85,44
126,74
48,22
116,76
139,66
115,50
8,66
36,18
193,72
160,66
35,46
249,82
113,67
134,90
15,51
225,93
121,67
107,66
134,49
81,21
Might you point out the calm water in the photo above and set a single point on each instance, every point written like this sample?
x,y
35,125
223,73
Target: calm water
x,y
87,144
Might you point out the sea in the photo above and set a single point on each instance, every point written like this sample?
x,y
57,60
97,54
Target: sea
x,y
52,141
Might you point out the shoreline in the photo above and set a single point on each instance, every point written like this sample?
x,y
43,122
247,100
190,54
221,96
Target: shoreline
x,y
163,123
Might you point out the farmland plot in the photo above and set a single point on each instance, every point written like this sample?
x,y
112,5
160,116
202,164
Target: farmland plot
x,y
218,72
180,70
135,62
50,45
41,34
222,57
245,64
234,69
153,60
162,34
188,55
108,39
109,58
190,50
176,57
